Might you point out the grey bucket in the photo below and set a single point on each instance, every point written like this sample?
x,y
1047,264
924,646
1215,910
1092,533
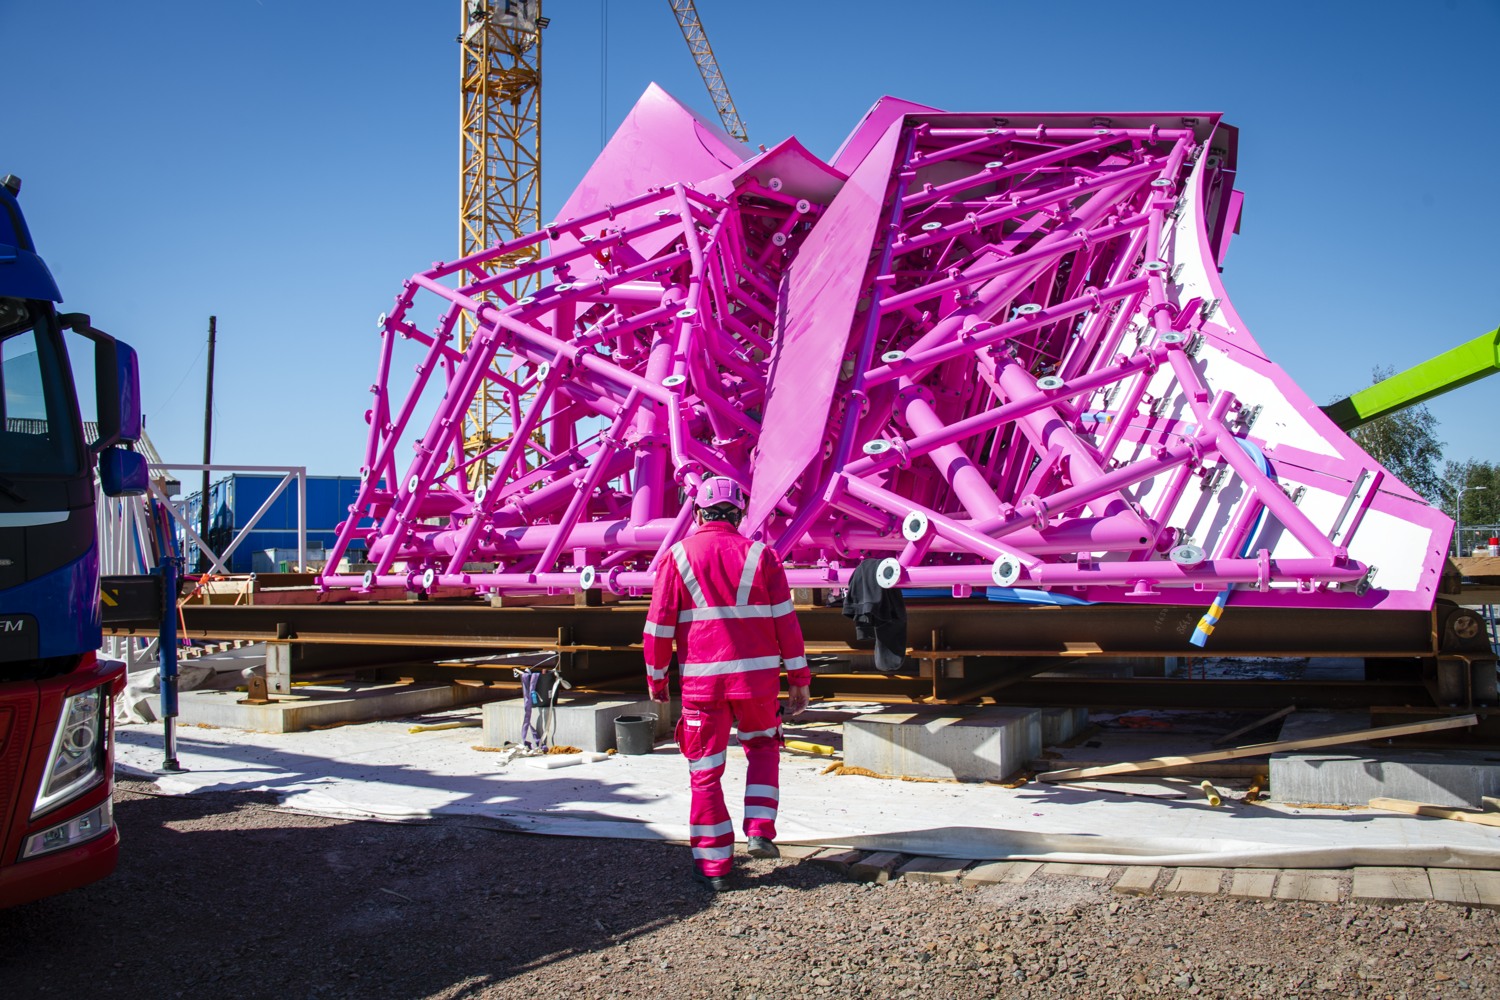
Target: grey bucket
x,y
635,734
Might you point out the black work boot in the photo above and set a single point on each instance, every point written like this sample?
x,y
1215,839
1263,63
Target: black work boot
x,y
718,883
763,847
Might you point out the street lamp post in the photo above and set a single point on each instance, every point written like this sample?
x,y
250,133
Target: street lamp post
x,y
1458,515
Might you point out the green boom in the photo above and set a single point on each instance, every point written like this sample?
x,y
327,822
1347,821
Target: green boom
x,y
1464,364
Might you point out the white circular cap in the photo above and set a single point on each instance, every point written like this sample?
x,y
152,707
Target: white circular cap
x,y
1156,265
1186,555
429,577
877,447
364,475
888,573
368,580
586,239
1005,571
994,165
774,184
1049,382
380,321
480,492
411,484
915,526
1029,309
803,206
928,227
891,357
528,300
566,286
588,577
663,211
779,239
1161,182
672,380
687,313
1101,131
543,370
1172,338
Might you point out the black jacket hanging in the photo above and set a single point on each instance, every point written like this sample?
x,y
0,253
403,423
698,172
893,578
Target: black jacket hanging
x,y
879,613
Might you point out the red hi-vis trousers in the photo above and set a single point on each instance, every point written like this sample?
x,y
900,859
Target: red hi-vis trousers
x,y
703,735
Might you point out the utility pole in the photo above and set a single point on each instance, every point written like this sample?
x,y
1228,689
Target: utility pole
x,y
208,436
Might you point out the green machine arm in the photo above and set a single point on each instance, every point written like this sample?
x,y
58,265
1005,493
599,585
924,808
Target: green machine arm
x,y
1466,363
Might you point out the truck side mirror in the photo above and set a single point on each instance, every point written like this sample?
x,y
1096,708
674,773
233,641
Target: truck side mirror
x,y
117,382
123,473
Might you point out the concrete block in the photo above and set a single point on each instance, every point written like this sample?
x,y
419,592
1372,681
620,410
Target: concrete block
x,y
1138,880
1252,883
875,867
323,705
945,870
1194,882
1391,885
586,722
1471,888
1076,871
1308,887
1059,725
1454,778
973,744
1000,873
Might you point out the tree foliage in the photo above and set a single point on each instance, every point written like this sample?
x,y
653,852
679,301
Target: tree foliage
x,y
1406,443
1480,485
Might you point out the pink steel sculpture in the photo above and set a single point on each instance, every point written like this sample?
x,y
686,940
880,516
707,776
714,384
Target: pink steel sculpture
x,y
991,350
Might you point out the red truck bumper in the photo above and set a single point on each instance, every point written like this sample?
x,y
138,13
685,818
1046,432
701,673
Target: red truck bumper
x,y
32,711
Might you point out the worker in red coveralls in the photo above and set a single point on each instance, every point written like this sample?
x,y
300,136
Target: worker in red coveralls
x,y
724,600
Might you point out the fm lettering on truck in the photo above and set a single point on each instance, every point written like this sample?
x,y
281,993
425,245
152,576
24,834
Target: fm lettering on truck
x,y
18,637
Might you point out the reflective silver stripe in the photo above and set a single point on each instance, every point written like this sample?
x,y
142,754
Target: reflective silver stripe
x,y
722,667
760,812
707,763
763,792
721,613
717,830
796,663
747,576
713,853
31,520
661,631
679,555
784,608
758,734
656,674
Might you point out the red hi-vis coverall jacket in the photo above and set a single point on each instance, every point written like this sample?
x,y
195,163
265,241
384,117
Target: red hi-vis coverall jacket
x,y
724,601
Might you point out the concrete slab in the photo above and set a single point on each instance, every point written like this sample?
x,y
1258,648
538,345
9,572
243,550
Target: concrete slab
x,y
1308,887
317,705
1138,880
1000,873
1059,725
1076,871
1252,884
1472,888
1194,882
968,744
944,870
586,722
1454,778
1391,885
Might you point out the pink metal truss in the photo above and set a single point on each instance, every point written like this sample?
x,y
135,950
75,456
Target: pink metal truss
x,y
990,350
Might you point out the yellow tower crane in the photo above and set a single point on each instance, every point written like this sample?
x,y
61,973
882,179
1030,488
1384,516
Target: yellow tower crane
x,y
500,155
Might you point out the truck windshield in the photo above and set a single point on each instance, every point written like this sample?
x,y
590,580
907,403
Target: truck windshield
x,y
39,434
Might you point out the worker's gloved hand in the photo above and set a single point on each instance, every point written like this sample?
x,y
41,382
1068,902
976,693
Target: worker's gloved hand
x,y
797,698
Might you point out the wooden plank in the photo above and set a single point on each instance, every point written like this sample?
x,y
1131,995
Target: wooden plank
x,y
1138,880
798,852
1220,769
1391,885
1436,812
875,867
836,859
1252,883
1307,886
1194,882
1077,871
1261,749
1281,714
946,870
1000,873
1465,886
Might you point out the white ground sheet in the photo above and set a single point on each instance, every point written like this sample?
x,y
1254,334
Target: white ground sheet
x,y
380,770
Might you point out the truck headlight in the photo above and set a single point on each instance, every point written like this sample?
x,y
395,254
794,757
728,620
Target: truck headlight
x,y
76,762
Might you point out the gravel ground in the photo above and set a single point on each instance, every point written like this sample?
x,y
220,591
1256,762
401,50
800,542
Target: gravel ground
x,y
223,895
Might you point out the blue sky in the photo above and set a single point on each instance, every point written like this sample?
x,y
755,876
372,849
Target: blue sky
x,y
284,164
